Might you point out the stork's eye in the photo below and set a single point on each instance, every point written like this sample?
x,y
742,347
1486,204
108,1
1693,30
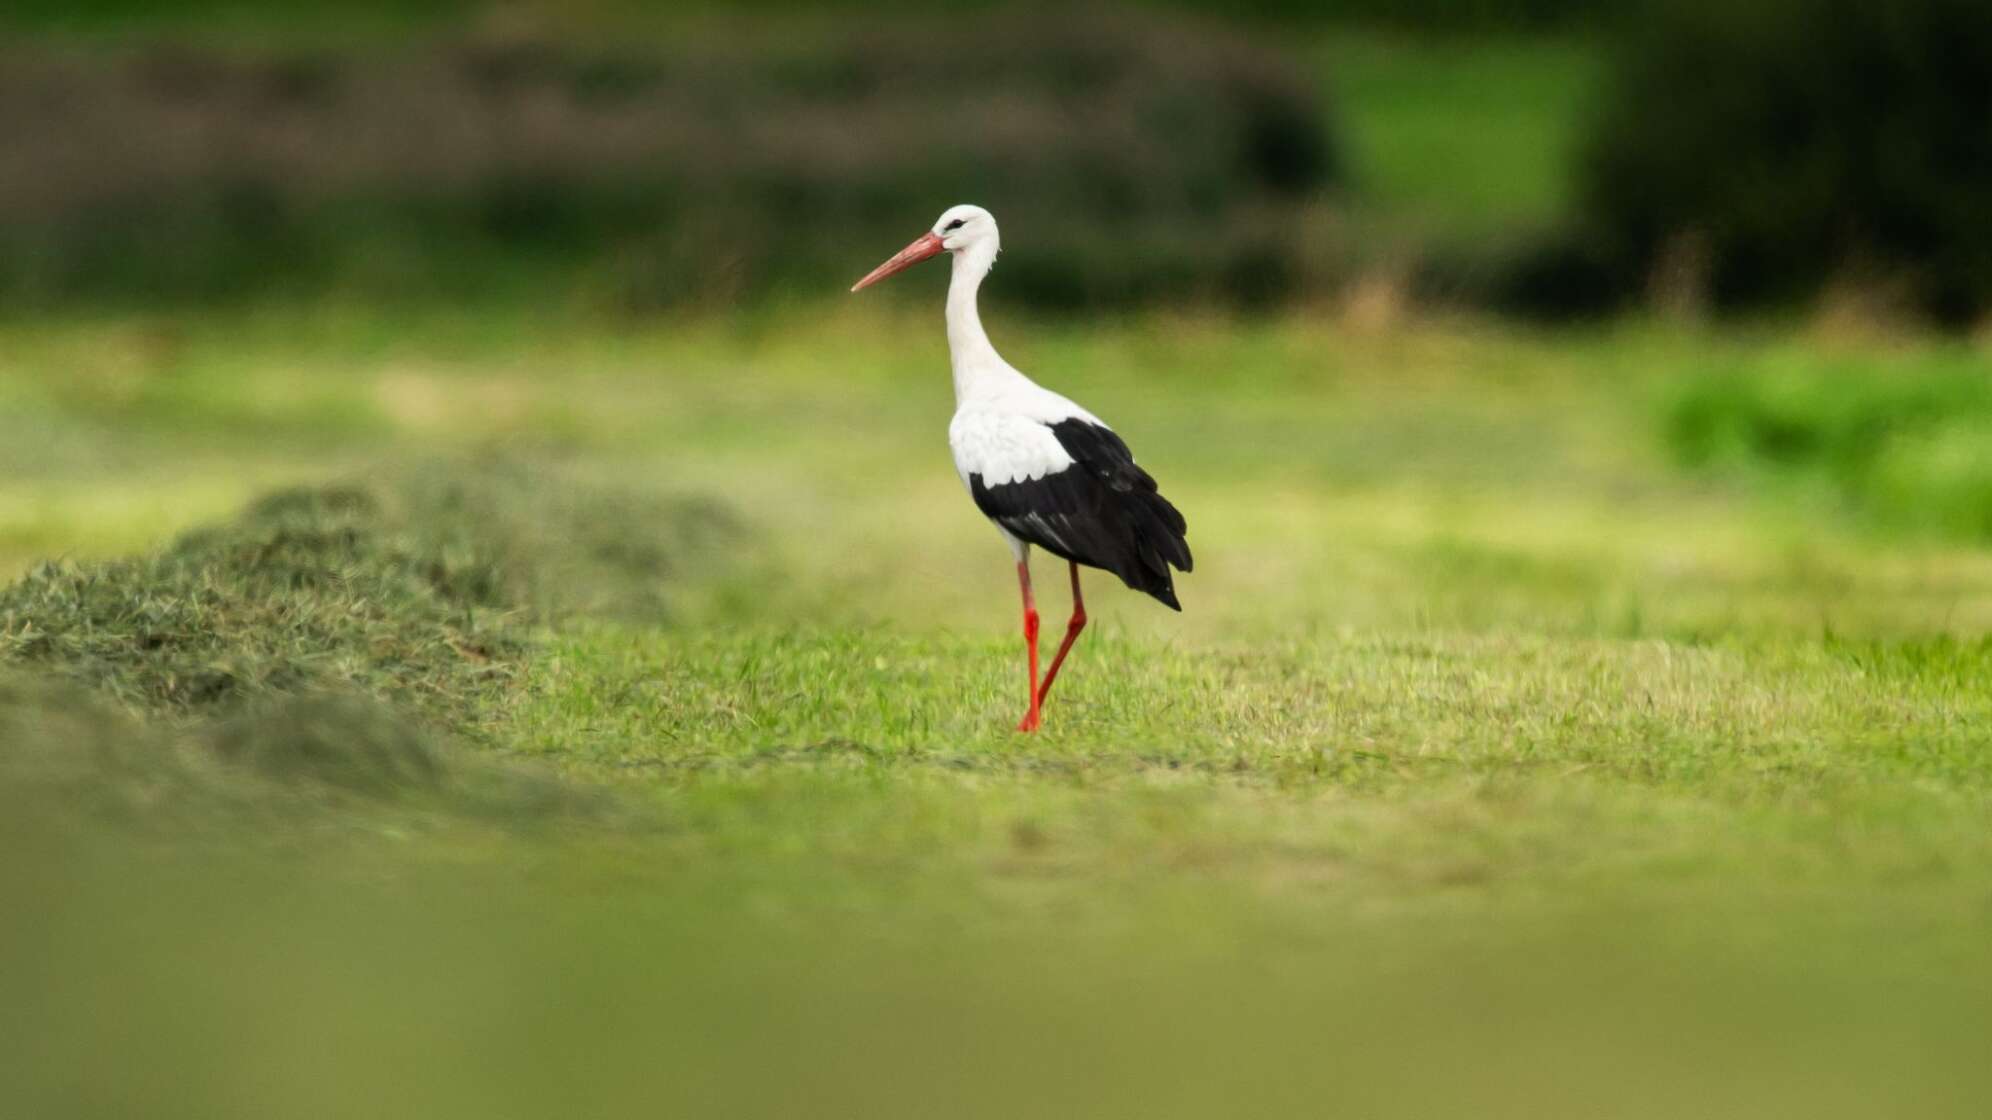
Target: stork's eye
x,y
953,226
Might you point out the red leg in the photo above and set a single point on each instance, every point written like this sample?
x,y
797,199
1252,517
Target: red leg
x,y
1072,628
1030,720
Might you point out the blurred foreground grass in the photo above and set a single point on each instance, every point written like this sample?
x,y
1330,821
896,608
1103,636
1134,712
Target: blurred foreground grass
x,y
1496,764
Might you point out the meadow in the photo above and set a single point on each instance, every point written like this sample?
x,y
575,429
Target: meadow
x,y
1515,753
1481,708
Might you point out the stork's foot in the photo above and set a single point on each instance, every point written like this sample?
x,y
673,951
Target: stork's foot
x,y
1030,721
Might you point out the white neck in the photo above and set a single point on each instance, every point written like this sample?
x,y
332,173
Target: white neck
x,y
978,369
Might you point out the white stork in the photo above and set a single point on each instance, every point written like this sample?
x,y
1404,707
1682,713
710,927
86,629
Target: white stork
x,y
1045,471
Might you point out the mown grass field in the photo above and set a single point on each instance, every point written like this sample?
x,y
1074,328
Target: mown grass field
x,y
1500,763
1495,762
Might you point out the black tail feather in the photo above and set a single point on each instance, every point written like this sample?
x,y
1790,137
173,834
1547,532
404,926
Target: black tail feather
x,y
1156,536
1162,588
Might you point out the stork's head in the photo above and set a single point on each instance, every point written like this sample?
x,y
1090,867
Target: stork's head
x,y
959,229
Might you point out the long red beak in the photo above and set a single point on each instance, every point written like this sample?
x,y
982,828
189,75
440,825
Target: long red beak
x,y
929,245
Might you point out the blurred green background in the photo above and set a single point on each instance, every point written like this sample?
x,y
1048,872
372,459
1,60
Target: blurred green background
x,y
488,627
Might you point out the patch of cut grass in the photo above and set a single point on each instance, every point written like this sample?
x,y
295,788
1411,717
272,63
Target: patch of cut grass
x,y
419,589
326,646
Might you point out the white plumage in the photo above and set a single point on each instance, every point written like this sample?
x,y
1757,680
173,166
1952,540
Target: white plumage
x,y
1045,471
1004,445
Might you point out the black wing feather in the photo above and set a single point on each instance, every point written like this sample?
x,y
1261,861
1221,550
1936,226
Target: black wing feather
x,y
1102,511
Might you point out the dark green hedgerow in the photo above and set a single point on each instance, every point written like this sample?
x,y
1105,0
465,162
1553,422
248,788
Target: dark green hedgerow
x,y
112,16
1763,150
1137,157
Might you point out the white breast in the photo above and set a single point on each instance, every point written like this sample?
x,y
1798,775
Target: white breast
x,y
1003,447
1009,439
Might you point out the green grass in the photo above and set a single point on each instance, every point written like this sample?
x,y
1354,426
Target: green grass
x,y
1898,438
414,588
1497,764
1464,139
1516,753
